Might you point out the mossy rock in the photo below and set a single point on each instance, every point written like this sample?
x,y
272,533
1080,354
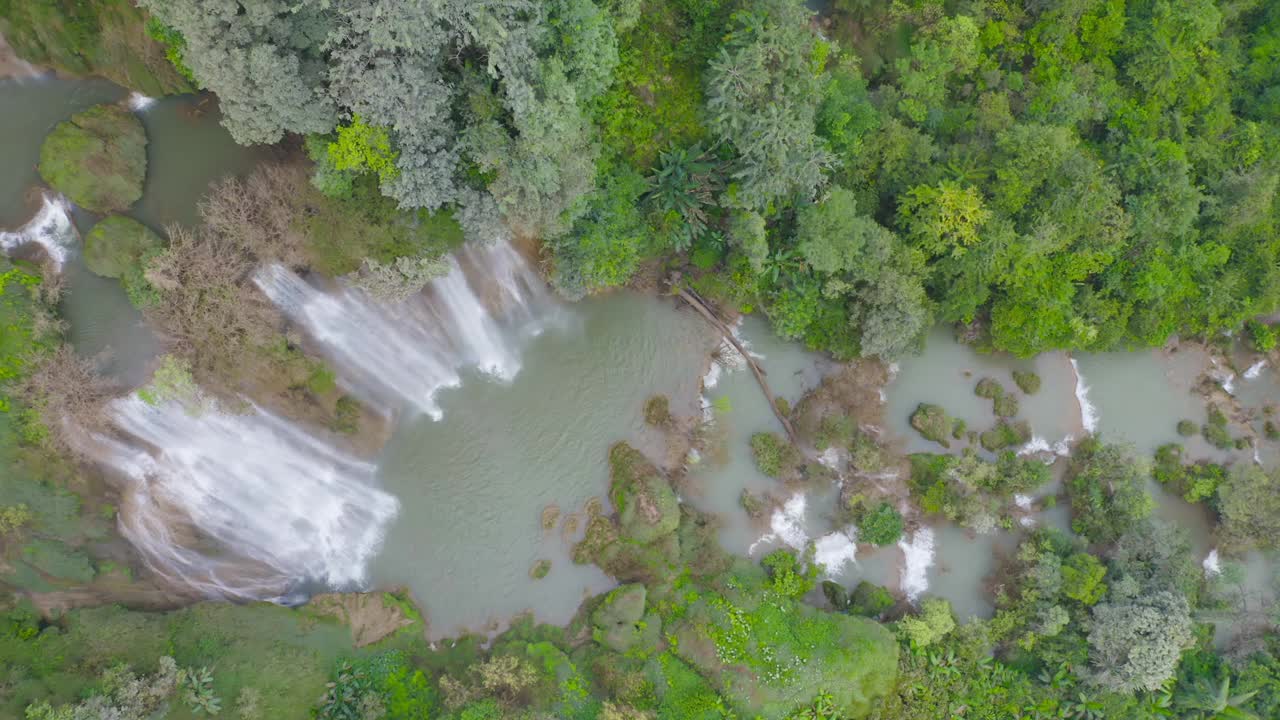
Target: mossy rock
x,y
870,600
1028,382
619,623
540,569
933,423
989,388
1006,406
643,499
116,245
1186,428
637,543
98,158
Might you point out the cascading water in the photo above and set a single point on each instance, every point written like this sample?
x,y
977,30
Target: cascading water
x,y
402,355
51,229
242,505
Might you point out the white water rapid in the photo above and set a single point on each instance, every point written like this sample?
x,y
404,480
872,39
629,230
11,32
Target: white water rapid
x,y
242,505
51,229
399,356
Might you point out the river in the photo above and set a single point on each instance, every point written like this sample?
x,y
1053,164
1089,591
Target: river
x,y
504,401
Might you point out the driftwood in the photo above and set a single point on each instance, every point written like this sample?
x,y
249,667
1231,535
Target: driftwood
x,y
697,303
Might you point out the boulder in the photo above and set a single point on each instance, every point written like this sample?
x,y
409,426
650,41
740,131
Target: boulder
x,y
98,158
115,246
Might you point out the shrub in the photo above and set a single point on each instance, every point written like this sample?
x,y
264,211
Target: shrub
x,y
772,453
1028,382
1006,406
1215,431
1262,337
657,411
346,415
881,526
1005,434
933,423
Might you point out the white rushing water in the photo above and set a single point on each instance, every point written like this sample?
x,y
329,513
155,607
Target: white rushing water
x,y
51,229
400,356
242,505
1088,413
836,550
138,102
917,555
1212,564
1255,370
786,525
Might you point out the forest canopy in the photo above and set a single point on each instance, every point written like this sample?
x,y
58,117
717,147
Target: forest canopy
x,y
1087,175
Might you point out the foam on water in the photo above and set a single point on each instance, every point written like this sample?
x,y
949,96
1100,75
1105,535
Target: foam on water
x,y
51,229
1088,413
242,505
400,356
1255,370
917,555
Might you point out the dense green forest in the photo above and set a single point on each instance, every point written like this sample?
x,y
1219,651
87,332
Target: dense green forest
x,y
1075,174
1090,174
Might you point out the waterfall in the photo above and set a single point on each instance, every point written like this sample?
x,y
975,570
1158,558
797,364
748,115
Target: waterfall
x,y
917,559
138,102
400,356
51,229
1255,370
1088,413
241,505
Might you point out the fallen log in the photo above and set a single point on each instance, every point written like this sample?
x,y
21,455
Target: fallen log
x,y
697,303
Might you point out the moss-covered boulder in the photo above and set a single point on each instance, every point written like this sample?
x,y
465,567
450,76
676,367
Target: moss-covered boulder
x,y
1028,382
639,541
109,38
115,247
933,423
98,158
643,499
619,623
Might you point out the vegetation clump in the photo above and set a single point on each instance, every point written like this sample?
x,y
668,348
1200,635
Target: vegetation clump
x,y
1216,431
933,423
657,411
540,569
774,456
1006,406
1186,428
1027,381
98,158
1005,434
880,526
989,388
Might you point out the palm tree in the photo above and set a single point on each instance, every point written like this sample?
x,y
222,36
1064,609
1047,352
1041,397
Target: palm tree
x,y
1205,699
